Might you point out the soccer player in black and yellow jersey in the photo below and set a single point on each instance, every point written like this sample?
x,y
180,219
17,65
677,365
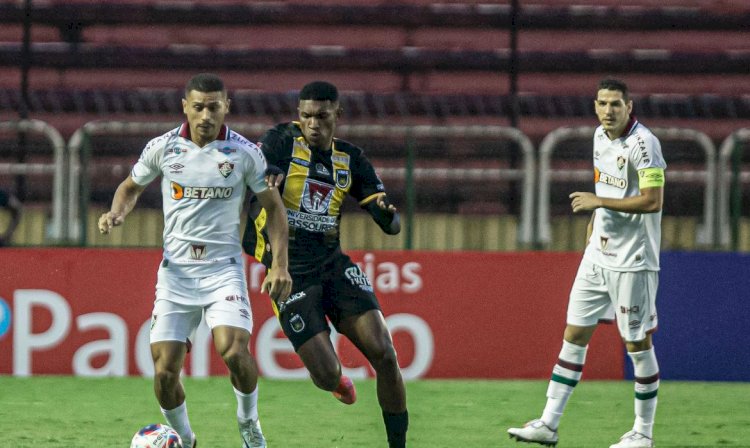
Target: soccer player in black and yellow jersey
x,y
315,174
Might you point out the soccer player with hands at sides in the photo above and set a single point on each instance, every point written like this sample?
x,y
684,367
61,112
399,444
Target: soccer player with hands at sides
x,y
618,276
205,170
315,172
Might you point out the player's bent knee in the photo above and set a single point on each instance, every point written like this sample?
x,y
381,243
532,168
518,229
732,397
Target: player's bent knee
x,y
385,359
235,357
326,377
166,378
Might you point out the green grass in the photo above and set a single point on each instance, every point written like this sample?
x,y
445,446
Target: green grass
x,y
75,412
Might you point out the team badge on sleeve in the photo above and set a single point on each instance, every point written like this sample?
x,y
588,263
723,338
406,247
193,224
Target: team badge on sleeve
x,y
226,168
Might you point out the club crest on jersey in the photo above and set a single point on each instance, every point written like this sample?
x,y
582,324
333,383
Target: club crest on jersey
x,y
317,196
226,168
343,178
197,251
620,162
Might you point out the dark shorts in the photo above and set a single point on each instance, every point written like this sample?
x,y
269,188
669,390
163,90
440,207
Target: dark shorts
x,y
339,289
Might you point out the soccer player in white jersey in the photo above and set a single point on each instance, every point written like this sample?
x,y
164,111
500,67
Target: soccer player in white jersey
x,y
205,169
618,275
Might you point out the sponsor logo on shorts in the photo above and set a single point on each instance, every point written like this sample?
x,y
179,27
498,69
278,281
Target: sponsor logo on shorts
x,y
153,322
634,323
293,298
297,323
245,313
198,251
358,278
632,309
237,298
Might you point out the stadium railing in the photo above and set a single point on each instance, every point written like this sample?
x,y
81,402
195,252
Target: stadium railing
x,y
699,170
57,169
451,158
732,175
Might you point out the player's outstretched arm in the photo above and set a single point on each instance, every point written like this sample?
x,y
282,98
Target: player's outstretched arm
x,y
384,214
123,202
278,282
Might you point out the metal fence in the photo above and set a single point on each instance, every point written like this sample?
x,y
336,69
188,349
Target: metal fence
x,y
458,187
733,197
44,158
689,166
428,170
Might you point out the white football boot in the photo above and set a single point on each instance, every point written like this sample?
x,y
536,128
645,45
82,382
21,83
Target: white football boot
x,y
633,439
252,436
534,431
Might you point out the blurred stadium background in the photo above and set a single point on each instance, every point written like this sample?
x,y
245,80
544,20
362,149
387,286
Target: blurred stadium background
x,y
477,114
458,104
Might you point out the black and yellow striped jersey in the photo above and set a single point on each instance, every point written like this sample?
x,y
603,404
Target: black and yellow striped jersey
x,y
313,192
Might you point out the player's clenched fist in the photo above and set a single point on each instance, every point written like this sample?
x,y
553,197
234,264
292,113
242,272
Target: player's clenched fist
x,y
109,220
584,201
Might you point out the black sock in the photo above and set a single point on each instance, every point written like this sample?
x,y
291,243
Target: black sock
x,y
396,426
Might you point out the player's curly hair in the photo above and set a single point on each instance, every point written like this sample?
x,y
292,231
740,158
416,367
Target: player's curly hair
x,y
614,84
205,82
319,91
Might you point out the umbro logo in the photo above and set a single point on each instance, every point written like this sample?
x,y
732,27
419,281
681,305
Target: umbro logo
x,y
176,167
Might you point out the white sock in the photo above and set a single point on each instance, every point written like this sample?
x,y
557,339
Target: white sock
x,y
177,418
565,376
247,405
646,387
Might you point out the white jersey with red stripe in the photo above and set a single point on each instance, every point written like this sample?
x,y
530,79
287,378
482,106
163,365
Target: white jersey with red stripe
x,y
625,241
203,189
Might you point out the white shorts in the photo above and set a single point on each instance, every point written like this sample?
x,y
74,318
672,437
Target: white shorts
x,y
600,294
181,303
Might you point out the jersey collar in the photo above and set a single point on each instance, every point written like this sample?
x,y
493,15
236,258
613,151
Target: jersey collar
x,y
630,126
184,132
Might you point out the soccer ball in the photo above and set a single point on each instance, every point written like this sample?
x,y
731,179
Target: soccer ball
x,y
156,436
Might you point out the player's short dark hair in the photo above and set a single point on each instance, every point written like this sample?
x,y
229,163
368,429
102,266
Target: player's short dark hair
x,y
319,91
204,82
614,84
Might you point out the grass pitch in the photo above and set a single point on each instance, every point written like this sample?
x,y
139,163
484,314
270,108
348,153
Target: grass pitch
x,y
80,413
